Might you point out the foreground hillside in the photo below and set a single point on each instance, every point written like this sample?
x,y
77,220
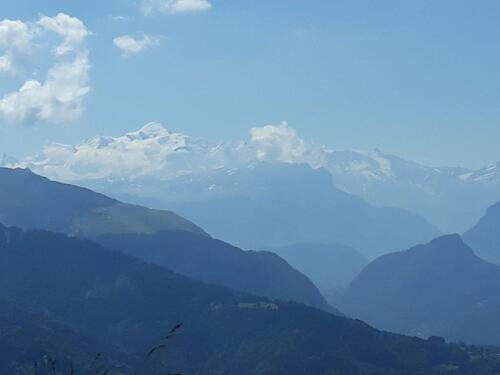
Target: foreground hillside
x,y
216,262
118,304
441,288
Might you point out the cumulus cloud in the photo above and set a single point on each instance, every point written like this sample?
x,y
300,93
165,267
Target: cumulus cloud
x,y
130,45
16,35
175,6
60,97
278,143
281,143
6,64
70,28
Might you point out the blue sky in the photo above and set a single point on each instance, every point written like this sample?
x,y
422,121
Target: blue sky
x,y
420,79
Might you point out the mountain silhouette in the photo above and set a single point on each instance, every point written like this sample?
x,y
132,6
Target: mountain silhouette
x,y
441,288
114,300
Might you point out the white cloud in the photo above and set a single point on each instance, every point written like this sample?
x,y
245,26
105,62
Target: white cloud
x,y
6,64
278,143
281,143
16,35
59,98
130,45
175,6
70,28
118,18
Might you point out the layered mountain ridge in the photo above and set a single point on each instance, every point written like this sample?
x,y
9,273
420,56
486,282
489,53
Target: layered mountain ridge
x,y
440,288
123,307
30,201
129,164
275,204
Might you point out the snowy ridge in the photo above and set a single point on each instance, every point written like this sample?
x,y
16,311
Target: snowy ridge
x,y
141,161
151,151
154,150
487,175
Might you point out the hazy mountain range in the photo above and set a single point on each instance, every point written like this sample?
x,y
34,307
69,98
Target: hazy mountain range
x,y
225,243
76,297
258,204
137,163
71,291
30,201
441,288
275,204
451,198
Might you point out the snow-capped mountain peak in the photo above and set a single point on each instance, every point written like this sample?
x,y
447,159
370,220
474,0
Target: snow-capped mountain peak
x,y
372,165
150,130
488,175
154,153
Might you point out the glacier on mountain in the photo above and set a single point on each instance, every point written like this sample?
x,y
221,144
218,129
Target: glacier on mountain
x,y
151,156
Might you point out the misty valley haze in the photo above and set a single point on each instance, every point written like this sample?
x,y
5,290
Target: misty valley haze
x,y
204,187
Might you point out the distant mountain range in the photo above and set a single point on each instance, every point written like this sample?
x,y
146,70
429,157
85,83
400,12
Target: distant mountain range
x,y
135,164
441,288
484,237
266,205
76,296
388,180
33,202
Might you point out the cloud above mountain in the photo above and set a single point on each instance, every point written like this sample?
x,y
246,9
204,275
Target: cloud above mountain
x,y
132,45
281,143
138,161
175,6
278,143
59,97
154,150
